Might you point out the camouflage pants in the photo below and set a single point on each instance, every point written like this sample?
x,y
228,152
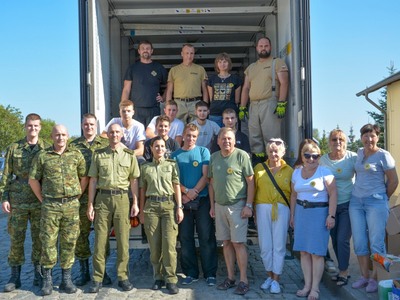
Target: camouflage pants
x,y
59,220
17,225
82,250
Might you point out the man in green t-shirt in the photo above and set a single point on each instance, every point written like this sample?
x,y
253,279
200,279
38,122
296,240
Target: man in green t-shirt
x,y
231,198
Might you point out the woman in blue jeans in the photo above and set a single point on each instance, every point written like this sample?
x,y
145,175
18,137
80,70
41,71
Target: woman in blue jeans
x,y
376,180
341,163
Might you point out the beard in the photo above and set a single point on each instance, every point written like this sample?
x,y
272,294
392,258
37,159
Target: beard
x,y
264,54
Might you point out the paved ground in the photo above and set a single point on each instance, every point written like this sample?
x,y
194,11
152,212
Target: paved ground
x,y
141,277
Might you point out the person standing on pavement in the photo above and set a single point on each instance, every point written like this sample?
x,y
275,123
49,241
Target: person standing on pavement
x,y
187,84
231,191
57,177
20,202
86,144
193,170
273,211
142,84
161,211
266,84
112,170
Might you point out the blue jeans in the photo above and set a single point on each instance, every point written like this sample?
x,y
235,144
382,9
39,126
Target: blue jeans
x,y
368,218
207,241
341,235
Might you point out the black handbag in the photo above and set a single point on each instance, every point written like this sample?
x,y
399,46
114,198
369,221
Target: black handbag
x,y
192,205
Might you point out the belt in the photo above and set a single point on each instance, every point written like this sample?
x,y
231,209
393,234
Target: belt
x,y
160,198
63,200
112,192
308,204
187,99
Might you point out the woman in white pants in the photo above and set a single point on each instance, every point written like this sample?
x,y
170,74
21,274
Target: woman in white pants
x,y
272,211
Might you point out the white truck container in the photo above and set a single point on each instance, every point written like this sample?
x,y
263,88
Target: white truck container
x,y
111,30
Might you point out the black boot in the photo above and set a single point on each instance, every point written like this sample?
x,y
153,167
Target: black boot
x,y
38,277
66,282
47,287
15,279
84,277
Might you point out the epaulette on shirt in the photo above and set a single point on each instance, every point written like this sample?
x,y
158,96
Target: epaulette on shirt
x,y
127,150
101,150
171,160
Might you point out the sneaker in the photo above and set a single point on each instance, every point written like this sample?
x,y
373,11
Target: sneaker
x,y
275,287
360,283
330,266
372,286
211,281
267,284
189,280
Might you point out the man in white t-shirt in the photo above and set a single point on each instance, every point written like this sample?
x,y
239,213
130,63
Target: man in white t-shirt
x,y
208,130
134,133
177,126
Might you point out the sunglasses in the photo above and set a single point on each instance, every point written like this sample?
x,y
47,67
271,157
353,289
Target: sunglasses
x,y
313,156
336,139
276,142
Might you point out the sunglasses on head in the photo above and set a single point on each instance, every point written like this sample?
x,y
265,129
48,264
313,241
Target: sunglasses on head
x,y
313,156
276,142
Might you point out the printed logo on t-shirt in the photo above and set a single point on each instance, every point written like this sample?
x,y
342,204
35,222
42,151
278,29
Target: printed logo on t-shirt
x,y
154,73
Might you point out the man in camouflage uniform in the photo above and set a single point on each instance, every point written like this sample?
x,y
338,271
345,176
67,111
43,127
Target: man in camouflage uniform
x,y
86,144
20,202
111,172
57,178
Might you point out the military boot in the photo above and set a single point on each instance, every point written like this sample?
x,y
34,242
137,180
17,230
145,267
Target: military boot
x,y
15,279
66,282
38,277
47,287
84,277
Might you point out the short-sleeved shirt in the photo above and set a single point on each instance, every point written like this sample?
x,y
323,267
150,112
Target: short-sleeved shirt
x,y
170,146
159,177
242,142
146,81
229,175
14,182
132,135
59,173
370,172
176,127
260,77
190,163
207,133
87,148
344,173
114,168
187,80
224,93
266,193
312,189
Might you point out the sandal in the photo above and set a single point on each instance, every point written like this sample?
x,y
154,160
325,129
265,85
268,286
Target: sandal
x,y
314,295
227,284
337,276
341,281
242,288
302,293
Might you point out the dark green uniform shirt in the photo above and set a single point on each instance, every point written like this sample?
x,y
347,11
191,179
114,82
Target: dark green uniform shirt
x,y
16,171
59,173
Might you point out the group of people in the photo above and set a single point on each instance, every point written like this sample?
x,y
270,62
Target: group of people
x,y
181,172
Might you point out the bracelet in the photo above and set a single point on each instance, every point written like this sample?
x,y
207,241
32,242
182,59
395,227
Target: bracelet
x,y
333,217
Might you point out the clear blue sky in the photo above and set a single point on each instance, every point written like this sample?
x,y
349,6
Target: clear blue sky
x,y
353,42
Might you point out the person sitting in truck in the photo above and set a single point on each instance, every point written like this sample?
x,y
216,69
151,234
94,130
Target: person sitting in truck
x,y
163,127
142,83
176,128
208,130
187,84
134,134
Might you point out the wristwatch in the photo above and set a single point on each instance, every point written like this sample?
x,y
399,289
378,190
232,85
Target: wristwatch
x,y
181,207
333,217
249,205
186,190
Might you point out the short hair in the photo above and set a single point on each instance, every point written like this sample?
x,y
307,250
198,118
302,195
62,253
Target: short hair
x,y
187,45
171,103
125,103
225,130
367,128
191,127
276,141
338,132
222,56
89,116
155,139
201,103
32,117
163,118
145,42
263,38
229,111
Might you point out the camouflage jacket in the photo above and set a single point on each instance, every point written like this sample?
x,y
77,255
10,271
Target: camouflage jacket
x,y
59,173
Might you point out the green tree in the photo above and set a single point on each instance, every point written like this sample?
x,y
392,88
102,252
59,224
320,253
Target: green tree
x,y
11,126
47,126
